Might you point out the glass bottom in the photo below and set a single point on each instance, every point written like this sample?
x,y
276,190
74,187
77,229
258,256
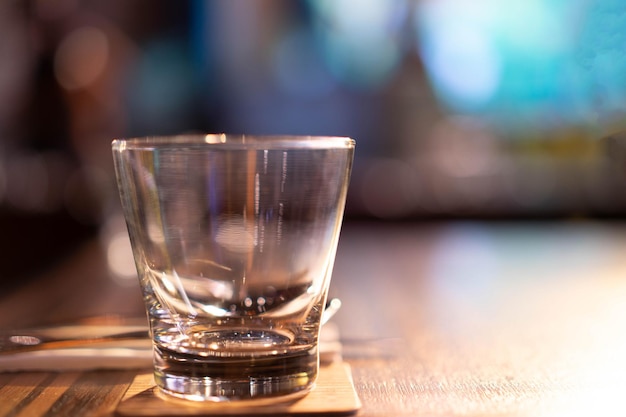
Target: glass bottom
x,y
249,380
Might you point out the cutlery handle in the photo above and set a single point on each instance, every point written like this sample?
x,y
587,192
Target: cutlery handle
x,y
40,340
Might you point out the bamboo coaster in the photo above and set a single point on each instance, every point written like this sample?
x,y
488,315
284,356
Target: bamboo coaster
x,y
333,394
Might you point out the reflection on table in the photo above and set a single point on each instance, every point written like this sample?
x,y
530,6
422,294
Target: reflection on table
x,y
437,319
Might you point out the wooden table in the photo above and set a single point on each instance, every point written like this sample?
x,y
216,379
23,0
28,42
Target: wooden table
x,y
446,319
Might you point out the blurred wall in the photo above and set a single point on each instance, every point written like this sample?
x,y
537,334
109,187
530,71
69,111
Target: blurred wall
x,y
461,109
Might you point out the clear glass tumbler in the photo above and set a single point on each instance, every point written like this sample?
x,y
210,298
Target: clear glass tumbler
x,y
234,239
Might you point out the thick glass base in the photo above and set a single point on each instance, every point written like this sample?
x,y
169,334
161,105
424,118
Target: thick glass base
x,y
253,380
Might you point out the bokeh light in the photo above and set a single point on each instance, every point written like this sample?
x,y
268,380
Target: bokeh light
x,y
526,62
361,40
81,58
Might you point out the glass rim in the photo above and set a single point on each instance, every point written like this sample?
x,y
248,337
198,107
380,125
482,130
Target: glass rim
x,y
234,141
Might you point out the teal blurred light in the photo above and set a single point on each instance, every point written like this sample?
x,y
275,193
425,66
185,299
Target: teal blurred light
x,y
361,39
526,62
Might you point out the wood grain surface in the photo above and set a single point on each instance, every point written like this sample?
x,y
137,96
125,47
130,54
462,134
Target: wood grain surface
x,y
450,319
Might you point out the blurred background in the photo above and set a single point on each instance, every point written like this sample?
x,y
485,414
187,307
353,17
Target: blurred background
x,y
462,109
